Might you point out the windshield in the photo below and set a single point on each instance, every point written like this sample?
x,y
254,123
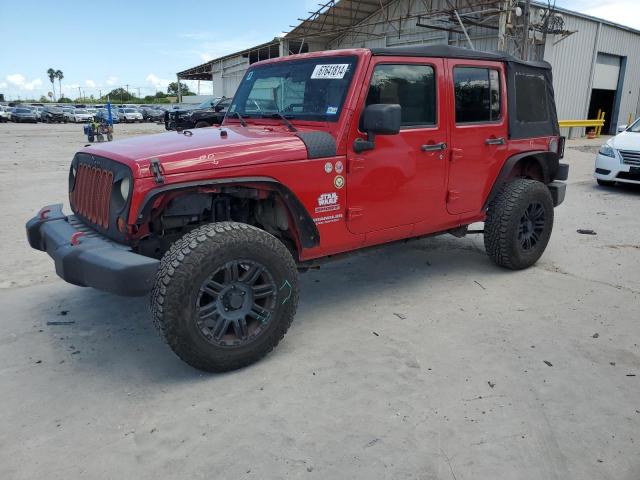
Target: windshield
x,y
80,110
130,110
312,89
23,110
635,127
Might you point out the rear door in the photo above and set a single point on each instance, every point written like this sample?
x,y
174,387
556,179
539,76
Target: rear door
x,y
401,181
478,132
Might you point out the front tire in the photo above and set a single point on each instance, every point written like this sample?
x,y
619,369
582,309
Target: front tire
x,y
202,124
225,295
519,224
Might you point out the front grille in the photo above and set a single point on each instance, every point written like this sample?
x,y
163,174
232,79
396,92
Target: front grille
x,y
91,194
630,157
629,176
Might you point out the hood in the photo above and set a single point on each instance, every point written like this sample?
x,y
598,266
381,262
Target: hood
x,y
204,149
626,141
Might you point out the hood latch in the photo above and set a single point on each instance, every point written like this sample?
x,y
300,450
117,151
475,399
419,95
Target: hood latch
x,y
156,170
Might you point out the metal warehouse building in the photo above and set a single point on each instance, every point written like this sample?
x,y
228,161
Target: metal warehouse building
x,y
596,63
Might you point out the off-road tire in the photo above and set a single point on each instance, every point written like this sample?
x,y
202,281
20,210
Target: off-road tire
x,y
202,124
504,216
605,183
189,262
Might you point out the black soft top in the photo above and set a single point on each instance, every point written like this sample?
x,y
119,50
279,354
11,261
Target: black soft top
x,y
532,108
447,51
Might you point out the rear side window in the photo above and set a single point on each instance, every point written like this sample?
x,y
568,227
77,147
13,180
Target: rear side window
x,y
477,92
411,86
531,98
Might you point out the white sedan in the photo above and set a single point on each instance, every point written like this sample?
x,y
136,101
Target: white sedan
x,y
619,159
80,115
127,115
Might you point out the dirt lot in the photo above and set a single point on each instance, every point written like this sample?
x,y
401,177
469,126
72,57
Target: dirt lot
x,y
422,361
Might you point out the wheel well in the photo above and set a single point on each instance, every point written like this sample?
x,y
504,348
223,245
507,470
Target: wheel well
x,y
529,167
538,165
177,213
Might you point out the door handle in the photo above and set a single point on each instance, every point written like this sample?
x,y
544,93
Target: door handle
x,y
494,141
433,147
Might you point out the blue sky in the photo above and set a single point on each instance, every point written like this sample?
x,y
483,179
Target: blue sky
x,y
103,45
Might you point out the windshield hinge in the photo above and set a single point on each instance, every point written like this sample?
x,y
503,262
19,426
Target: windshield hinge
x,y
156,170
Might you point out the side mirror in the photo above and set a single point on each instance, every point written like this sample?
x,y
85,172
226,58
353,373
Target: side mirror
x,y
621,128
218,108
378,119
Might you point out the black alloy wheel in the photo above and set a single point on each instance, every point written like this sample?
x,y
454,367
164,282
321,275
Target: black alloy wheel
x,y
236,303
532,224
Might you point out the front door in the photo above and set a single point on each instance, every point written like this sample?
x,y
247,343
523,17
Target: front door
x,y
402,180
478,132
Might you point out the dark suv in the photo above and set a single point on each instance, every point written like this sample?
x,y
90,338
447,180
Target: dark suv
x,y
206,114
51,114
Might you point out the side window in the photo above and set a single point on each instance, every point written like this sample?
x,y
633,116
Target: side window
x,y
411,86
477,93
531,98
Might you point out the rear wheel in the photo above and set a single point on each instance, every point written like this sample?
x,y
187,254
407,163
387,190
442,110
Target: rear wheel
x,y
519,223
225,295
202,124
605,183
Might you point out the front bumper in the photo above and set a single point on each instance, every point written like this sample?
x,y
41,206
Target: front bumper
x,y
92,260
613,170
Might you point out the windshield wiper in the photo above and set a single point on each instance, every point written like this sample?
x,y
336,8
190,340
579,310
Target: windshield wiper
x,y
284,119
237,114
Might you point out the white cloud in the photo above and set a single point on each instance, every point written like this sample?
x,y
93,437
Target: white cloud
x,y
3,84
624,12
90,83
157,82
111,80
19,82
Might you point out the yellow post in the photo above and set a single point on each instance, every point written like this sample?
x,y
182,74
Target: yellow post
x,y
629,120
599,127
595,130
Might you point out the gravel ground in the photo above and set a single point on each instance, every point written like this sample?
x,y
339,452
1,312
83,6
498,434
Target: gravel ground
x,y
422,361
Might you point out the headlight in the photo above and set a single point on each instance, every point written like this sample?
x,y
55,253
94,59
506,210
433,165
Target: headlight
x,y
607,150
124,188
72,178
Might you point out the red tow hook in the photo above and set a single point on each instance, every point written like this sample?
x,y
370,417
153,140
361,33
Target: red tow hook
x,y
75,238
44,213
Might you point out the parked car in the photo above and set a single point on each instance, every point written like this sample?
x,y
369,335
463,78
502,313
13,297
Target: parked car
x,y
217,223
67,112
5,114
51,115
23,114
102,115
38,112
127,115
619,159
152,114
80,115
206,114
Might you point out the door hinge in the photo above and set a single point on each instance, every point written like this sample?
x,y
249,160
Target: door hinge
x,y
456,154
354,212
452,195
354,164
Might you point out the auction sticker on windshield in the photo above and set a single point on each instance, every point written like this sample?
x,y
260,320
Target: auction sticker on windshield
x,y
331,71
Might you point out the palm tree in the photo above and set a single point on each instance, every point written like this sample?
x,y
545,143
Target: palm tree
x,y
59,76
52,76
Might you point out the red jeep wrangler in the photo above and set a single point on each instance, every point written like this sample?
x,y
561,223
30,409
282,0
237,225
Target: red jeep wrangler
x,y
319,154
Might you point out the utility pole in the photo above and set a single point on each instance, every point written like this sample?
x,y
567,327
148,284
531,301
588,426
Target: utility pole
x,y
179,90
138,92
127,85
502,26
525,30
79,94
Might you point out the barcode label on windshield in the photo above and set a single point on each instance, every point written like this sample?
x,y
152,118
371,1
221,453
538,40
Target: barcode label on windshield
x,y
332,71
